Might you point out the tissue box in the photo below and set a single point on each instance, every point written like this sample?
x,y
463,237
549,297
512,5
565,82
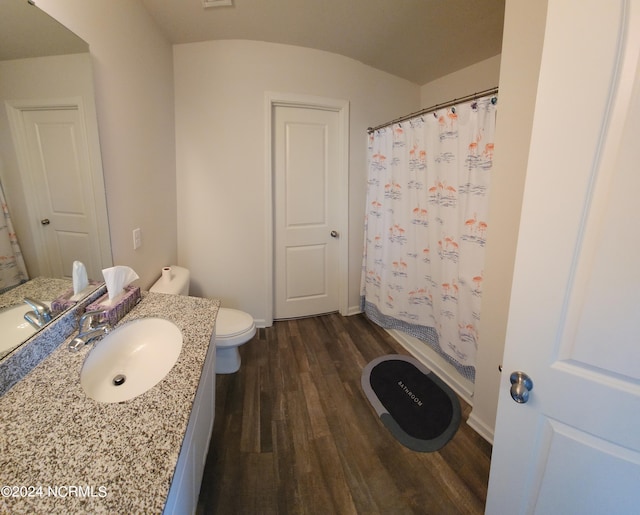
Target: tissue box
x,y
64,302
123,305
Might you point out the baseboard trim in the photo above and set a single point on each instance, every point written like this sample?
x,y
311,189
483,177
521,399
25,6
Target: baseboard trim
x,y
261,323
353,310
480,427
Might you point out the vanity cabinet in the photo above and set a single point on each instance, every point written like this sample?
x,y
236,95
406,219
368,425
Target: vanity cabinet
x,y
185,486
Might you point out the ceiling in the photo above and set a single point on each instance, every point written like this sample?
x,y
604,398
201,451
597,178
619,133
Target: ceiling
x,y
418,40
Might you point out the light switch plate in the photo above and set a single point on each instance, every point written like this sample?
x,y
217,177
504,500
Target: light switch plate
x,y
137,238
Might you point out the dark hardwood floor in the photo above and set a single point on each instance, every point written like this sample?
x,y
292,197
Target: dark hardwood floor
x,y
295,434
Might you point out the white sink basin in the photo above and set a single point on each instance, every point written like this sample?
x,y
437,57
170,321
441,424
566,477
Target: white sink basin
x,y
13,327
131,359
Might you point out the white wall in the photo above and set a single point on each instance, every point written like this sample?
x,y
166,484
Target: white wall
x,y
467,81
519,69
133,73
220,136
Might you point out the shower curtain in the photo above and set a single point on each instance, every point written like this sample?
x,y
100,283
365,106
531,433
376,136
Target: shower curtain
x,y
12,268
426,227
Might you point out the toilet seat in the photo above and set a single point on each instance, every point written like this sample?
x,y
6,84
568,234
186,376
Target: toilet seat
x,y
233,327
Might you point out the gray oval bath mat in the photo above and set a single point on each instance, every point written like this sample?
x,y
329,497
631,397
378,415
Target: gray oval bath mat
x,y
420,410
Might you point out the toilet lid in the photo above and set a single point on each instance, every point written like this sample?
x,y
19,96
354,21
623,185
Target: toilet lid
x,y
231,322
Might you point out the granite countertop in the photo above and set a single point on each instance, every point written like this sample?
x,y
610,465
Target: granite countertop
x,y
101,458
39,288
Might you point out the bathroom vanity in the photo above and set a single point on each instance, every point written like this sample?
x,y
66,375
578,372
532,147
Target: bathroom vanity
x,y
62,452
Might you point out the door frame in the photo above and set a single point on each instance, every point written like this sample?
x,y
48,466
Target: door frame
x,y
15,110
341,107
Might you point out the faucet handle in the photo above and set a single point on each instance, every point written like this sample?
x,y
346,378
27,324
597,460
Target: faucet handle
x,y
41,310
93,318
76,344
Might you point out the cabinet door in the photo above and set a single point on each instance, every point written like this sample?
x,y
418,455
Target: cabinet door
x,y
185,487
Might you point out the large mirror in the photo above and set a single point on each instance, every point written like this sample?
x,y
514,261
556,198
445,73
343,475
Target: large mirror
x,y
50,163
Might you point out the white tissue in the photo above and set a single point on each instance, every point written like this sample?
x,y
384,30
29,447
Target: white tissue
x,y
79,276
116,278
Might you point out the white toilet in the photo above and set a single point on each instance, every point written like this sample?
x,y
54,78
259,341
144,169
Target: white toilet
x,y
233,327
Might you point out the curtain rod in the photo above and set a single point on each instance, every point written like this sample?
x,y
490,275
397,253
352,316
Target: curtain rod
x,y
435,107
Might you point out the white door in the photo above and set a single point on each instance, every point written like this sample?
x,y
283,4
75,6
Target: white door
x,y
63,204
574,320
306,174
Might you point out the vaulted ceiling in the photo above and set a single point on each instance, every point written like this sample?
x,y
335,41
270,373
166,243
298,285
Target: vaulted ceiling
x,y
419,40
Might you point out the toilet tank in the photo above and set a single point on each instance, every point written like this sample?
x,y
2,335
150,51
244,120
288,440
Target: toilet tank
x,y
174,280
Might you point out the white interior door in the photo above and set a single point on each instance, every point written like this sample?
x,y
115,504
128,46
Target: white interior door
x,y
62,202
574,320
306,214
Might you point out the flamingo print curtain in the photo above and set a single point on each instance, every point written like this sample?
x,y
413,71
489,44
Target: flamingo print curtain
x,y
426,227
12,268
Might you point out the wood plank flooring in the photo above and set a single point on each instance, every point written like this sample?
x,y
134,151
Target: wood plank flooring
x,y
295,434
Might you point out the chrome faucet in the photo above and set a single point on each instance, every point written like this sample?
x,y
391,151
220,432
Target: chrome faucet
x,y
90,328
39,314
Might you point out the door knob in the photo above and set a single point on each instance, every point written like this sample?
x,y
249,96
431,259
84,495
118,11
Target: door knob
x,y
45,221
334,234
521,385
